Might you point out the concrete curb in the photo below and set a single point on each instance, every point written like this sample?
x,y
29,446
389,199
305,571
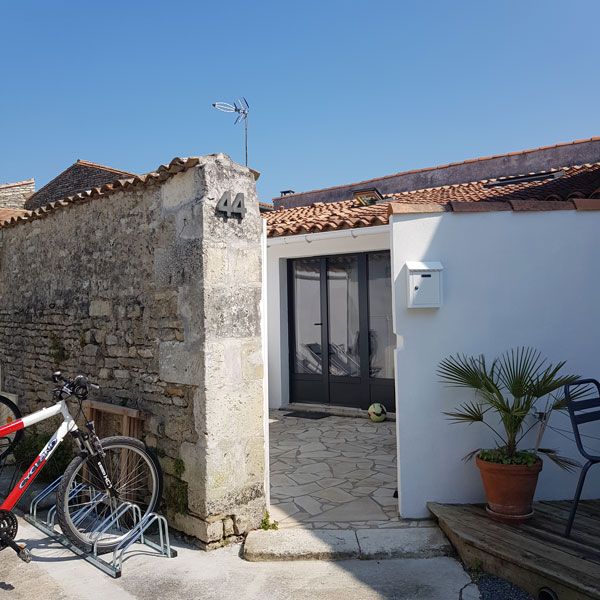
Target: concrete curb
x,y
329,544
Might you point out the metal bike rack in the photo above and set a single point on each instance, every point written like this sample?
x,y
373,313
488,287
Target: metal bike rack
x,y
137,533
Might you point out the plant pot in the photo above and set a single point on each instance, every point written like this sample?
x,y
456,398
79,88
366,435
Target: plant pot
x,y
509,489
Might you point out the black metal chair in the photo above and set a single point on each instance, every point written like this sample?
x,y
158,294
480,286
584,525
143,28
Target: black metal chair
x,y
586,410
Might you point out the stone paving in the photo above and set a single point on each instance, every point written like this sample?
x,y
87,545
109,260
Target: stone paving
x,y
334,473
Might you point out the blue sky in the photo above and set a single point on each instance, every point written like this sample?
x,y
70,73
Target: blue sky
x,y
339,91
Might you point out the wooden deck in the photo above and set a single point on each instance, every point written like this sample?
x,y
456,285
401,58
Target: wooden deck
x,y
534,555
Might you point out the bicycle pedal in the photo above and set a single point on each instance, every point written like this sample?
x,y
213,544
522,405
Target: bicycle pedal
x,y
24,554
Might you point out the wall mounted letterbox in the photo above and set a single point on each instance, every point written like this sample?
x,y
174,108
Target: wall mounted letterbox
x,y
424,284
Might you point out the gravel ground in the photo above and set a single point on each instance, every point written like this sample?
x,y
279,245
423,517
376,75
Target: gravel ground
x,y
495,588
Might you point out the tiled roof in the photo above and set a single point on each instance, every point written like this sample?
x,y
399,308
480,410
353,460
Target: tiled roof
x,y
537,159
564,190
321,216
25,182
80,176
8,213
164,172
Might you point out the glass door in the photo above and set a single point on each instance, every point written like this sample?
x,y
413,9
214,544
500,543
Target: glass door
x,y
347,340
307,334
342,304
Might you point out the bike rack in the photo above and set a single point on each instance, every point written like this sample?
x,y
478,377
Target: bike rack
x,y
137,534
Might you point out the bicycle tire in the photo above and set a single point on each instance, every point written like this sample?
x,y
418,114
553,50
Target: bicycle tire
x,y
9,411
66,513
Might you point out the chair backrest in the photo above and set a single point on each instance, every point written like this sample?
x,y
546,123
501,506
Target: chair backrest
x,y
584,410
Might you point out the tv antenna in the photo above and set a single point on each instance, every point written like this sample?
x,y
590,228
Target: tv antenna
x,y
242,108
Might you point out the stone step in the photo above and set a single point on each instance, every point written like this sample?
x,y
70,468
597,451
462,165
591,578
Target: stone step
x,y
330,544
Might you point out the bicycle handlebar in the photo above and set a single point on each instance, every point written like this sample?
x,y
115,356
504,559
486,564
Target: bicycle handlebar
x,y
78,386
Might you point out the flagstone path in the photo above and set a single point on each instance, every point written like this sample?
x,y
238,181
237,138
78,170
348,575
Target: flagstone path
x,y
334,473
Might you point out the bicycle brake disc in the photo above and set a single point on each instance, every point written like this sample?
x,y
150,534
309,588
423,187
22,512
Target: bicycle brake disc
x,y
8,527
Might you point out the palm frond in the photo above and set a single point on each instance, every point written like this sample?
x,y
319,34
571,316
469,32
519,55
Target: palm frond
x,y
463,371
468,412
549,381
517,368
564,462
471,455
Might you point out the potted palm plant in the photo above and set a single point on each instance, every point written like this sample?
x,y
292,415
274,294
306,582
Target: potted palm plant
x,y
515,393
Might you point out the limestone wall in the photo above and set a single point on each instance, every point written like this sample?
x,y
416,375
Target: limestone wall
x,y
155,295
14,195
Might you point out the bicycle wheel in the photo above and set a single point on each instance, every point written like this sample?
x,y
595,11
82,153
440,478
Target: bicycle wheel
x,y
88,514
9,412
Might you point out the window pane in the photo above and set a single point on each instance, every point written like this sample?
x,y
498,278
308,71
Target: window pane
x,y
381,335
342,284
307,316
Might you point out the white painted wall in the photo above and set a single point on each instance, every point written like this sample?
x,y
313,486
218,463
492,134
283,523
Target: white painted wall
x,y
280,249
509,279
264,311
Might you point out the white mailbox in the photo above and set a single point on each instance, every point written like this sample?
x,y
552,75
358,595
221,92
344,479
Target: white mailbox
x,y
424,284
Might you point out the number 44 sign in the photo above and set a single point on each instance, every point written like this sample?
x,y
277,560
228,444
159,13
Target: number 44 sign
x,y
231,207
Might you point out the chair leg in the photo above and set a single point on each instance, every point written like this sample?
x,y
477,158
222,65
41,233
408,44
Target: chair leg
x,y
580,483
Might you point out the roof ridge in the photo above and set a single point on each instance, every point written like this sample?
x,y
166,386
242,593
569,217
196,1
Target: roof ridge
x,y
448,165
15,183
80,161
159,175
89,163
479,181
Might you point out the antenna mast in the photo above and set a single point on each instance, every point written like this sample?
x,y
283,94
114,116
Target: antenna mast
x,y
242,108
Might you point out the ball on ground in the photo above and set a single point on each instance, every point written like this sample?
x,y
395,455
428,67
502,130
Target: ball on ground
x,y
377,412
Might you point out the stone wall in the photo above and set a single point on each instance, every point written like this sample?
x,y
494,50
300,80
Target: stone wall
x,y
14,195
157,296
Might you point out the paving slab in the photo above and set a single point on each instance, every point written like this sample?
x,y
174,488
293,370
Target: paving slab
x,y
300,544
337,544
410,542
335,476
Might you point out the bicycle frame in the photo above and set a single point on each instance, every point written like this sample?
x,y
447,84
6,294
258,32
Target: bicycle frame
x,y
67,426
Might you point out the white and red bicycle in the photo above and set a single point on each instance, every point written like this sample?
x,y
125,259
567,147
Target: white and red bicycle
x,y
103,475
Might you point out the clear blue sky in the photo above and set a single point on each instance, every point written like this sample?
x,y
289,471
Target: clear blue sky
x,y
339,91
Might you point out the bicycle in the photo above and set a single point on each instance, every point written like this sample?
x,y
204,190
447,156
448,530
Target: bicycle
x,y
104,475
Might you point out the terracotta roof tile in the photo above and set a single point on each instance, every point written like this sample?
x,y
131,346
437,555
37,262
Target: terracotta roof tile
x,y
480,159
587,203
324,217
164,172
472,207
563,189
8,213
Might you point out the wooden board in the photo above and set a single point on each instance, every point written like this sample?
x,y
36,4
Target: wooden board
x,y
532,555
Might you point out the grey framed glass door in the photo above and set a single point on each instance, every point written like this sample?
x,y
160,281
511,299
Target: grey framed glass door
x,y
341,303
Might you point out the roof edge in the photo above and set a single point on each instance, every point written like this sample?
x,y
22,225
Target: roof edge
x,y
161,174
444,166
17,183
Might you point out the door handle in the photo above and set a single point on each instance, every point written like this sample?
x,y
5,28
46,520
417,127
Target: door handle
x,y
318,323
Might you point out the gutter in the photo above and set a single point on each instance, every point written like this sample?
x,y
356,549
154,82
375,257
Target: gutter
x,y
327,235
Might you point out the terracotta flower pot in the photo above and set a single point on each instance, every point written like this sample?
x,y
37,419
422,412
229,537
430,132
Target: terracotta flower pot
x,y
509,489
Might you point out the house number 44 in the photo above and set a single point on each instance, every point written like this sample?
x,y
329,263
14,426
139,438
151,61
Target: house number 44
x,y
231,207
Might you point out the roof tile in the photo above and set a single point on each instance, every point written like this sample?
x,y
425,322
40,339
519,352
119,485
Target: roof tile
x,y
161,174
574,186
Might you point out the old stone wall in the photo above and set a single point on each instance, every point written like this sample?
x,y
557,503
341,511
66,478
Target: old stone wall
x,y
14,195
155,295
